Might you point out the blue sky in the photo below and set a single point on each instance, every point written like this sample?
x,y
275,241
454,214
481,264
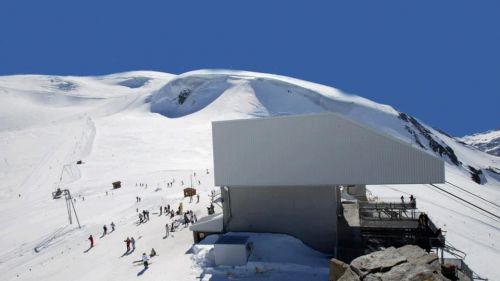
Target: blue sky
x,y
436,60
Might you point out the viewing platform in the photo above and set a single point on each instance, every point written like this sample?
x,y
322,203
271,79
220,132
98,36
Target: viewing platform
x,y
382,224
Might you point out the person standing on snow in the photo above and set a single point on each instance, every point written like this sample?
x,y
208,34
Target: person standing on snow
x,y
91,239
132,240
105,230
167,230
112,226
127,242
145,260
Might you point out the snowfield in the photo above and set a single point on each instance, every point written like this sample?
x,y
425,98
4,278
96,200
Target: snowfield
x,y
154,128
488,142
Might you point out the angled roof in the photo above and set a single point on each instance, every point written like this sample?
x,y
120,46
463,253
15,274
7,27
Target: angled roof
x,y
312,150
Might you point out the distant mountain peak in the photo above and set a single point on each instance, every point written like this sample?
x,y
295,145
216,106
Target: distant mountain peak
x,y
488,142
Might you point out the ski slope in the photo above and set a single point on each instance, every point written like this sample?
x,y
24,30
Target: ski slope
x,y
134,128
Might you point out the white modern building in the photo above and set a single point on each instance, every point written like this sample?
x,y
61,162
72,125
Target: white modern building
x,y
281,174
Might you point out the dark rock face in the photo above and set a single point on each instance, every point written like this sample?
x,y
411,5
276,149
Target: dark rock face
x,y
183,95
476,175
415,129
407,263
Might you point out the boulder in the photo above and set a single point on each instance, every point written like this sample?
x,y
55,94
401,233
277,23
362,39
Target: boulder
x,y
378,261
349,275
373,277
337,269
412,272
411,251
415,254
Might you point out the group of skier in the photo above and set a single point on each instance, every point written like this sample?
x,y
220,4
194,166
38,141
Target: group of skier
x,y
165,209
104,232
143,216
184,217
189,217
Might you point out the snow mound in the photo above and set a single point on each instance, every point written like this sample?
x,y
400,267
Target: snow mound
x,y
269,95
287,259
134,82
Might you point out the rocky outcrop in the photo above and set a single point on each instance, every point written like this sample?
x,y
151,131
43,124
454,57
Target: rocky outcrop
x,y
407,263
377,261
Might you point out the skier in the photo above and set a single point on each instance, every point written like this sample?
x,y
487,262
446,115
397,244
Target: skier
x,y
127,242
91,239
197,198
145,260
112,226
161,210
165,210
132,240
105,229
180,208
166,229
168,207
195,219
140,218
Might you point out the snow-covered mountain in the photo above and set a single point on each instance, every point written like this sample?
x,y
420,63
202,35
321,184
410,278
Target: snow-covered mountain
x,y
488,142
149,127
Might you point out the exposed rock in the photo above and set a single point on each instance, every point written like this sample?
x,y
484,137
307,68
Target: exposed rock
x,y
435,143
412,272
373,277
411,251
378,261
337,269
416,255
349,275
407,263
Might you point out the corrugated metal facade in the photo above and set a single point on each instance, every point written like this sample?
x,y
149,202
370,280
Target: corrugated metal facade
x,y
309,215
315,150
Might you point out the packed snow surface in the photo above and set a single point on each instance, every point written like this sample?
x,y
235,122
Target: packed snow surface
x,y
152,132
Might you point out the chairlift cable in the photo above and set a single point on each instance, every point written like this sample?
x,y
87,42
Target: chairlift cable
x,y
460,198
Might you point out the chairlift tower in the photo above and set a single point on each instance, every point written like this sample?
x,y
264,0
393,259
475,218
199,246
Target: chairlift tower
x,y
69,204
